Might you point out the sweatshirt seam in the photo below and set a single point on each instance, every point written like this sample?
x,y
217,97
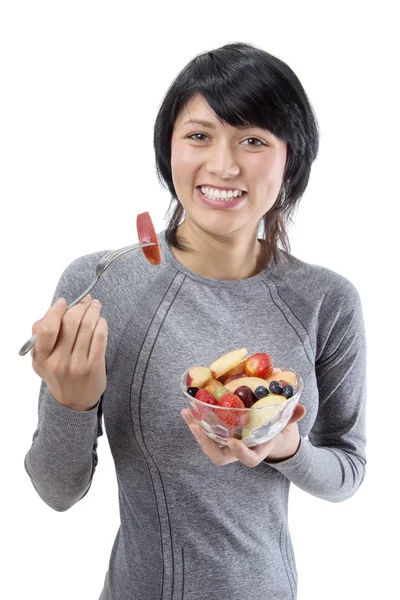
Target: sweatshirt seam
x,y
146,458
133,428
183,573
271,278
289,323
285,559
128,320
321,361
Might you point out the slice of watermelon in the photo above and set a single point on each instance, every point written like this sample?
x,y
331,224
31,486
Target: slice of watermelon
x,y
146,234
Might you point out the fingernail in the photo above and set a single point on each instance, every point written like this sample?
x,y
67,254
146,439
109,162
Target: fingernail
x,y
60,302
95,301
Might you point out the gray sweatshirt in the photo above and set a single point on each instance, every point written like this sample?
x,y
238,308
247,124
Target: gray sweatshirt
x,y
191,530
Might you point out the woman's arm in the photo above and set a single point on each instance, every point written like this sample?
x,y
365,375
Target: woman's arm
x,y
331,463
63,455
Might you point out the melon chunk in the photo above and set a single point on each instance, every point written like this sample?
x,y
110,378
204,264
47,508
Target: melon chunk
x,y
251,382
288,376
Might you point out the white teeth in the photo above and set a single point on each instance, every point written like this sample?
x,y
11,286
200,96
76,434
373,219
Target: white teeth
x,y
220,194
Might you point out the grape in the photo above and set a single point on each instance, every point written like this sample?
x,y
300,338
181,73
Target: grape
x,y
246,395
221,391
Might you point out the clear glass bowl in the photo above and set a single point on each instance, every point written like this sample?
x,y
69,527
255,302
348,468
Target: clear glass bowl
x,y
257,425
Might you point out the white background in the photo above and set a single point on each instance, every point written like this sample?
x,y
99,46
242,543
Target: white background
x,y
81,83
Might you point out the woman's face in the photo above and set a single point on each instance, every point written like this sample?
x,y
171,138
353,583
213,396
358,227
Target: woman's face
x,y
216,155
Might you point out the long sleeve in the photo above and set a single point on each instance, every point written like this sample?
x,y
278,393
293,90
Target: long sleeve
x,y
330,464
63,456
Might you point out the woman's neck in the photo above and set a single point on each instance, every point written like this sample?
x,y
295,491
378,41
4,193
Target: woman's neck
x,y
218,258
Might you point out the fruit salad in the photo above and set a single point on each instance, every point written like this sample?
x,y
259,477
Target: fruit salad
x,y
238,380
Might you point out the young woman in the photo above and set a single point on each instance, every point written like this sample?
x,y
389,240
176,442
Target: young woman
x,y
235,139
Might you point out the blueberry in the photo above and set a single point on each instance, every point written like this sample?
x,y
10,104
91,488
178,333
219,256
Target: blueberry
x,y
192,391
288,391
261,392
275,388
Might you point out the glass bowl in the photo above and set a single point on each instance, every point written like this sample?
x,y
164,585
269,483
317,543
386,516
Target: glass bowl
x,y
253,426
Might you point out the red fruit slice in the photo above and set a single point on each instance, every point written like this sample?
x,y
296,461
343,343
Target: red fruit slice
x,y
231,418
146,234
259,365
200,412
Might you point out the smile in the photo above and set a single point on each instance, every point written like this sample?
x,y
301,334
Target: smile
x,y
221,203
213,193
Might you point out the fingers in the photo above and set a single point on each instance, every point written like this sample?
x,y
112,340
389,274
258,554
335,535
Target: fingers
x,y
298,414
68,332
217,454
47,329
251,457
86,333
236,449
36,324
98,345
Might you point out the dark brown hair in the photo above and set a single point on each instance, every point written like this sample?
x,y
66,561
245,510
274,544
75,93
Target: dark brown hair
x,y
244,85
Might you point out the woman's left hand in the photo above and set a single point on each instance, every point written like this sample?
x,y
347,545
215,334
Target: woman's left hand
x,y
281,447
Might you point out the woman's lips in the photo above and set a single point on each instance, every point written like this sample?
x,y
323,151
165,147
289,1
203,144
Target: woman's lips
x,y
222,204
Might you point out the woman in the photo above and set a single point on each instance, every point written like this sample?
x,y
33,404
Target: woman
x,y
199,521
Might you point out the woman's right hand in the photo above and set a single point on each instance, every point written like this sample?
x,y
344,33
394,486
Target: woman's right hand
x,y
69,354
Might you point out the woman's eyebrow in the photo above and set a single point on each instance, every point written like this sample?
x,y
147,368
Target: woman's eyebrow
x,y
212,126
200,122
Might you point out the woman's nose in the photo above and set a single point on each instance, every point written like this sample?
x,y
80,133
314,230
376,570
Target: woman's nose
x,y
222,162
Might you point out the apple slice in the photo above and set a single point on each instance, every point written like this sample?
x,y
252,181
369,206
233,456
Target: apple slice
x,y
227,362
198,376
271,405
238,371
251,382
147,234
288,376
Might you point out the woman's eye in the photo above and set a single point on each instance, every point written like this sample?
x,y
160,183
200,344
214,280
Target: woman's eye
x,y
192,137
260,143
198,137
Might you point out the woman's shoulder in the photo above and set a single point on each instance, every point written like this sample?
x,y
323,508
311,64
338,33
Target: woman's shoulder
x,y
315,281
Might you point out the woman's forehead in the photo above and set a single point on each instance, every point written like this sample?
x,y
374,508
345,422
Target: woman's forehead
x,y
196,108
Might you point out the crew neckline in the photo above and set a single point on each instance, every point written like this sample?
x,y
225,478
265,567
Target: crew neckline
x,y
249,282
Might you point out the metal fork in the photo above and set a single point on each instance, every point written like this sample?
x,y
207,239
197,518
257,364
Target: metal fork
x,y
101,266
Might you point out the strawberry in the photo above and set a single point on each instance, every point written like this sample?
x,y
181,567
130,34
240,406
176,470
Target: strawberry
x,y
204,396
231,418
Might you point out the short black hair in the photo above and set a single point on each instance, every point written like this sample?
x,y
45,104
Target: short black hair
x,y
244,85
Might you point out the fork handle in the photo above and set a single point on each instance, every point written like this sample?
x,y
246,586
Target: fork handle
x,y
32,341
28,345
